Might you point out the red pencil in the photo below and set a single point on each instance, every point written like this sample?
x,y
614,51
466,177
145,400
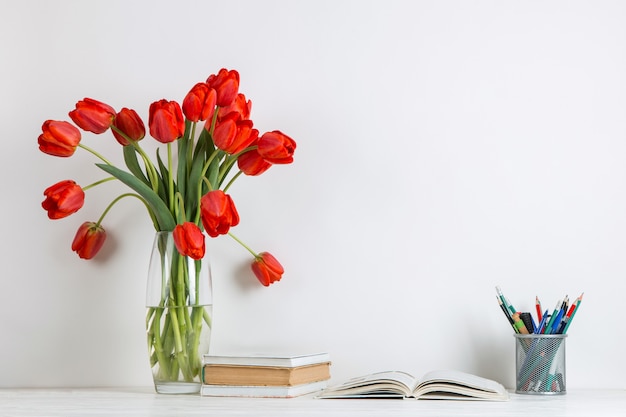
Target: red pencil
x,y
538,307
573,306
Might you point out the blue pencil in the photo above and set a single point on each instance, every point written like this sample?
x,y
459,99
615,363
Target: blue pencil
x,y
542,323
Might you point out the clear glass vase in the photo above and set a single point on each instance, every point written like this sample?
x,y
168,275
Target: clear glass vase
x,y
179,300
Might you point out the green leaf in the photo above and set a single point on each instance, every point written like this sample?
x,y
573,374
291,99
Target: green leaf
x,y
163,186
227,165
161,213
181,174
191,194
130,157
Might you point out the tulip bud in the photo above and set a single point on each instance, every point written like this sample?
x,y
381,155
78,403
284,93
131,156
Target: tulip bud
x,y
58,138
88,240
234,136
199,103
92,115
218,213
189,240
239,106
267,269
276,147
63,199
128,122
252,164
166,121
226,85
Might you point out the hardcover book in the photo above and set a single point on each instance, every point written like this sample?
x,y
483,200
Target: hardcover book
x,y
216,374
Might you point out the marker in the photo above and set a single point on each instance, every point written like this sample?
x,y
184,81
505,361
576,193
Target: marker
x,y
538,308
528,321
519,324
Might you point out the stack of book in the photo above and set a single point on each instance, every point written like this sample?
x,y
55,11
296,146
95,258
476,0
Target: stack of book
x,y
264,375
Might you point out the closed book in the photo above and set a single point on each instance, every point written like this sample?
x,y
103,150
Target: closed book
x,y
217,374
275,360
262,391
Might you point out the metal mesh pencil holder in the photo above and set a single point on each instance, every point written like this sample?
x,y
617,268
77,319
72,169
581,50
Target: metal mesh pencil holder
x,y
540,364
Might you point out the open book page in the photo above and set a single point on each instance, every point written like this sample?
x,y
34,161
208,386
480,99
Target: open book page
x,y
451,383
382,384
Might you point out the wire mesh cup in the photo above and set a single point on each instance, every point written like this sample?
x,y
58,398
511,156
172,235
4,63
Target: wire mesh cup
x,y
540,364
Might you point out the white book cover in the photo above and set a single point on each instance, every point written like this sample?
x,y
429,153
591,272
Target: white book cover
x,y
263,359
261,391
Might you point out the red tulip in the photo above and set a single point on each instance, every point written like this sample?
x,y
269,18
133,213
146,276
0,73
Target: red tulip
x,y
267,269
128,122
88,240
189,240
199,103
226,84
276,147
62,199
92,115
58,138
239,106
251,163
234,136
166,121
218,213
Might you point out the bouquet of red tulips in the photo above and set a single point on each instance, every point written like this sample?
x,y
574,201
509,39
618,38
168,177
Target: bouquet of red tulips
x,y
184,192
185,196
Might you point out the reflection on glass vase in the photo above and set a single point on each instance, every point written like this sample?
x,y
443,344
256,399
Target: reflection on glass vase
x,y
179,300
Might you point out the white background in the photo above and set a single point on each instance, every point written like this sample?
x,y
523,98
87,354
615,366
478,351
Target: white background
x,y
444,148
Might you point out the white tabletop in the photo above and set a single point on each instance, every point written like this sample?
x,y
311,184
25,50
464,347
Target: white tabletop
x,y
136,402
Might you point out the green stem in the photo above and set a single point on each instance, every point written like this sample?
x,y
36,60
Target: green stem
x,y
154,336
232,180
88,149
98,183
170,176
190,147
231,160
181,215
256,255
118,199
202,176
214,120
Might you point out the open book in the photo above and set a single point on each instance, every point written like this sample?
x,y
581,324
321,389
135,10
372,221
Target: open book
x,y
449,385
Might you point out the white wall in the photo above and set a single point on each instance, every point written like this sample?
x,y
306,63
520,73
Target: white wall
x,y
444,148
